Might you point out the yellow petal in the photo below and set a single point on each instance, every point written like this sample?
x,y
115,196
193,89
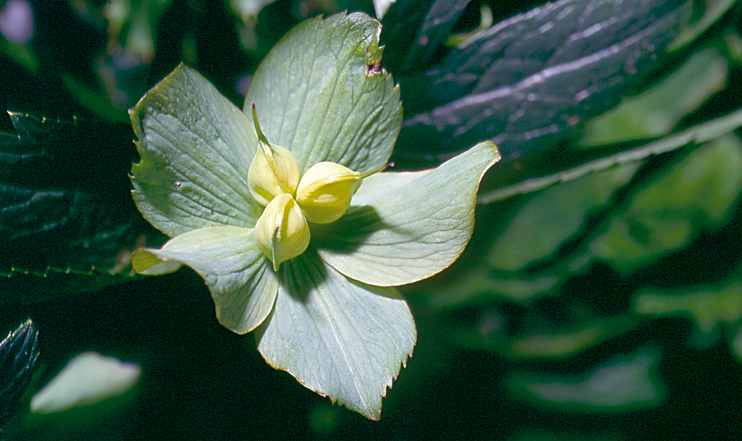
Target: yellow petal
x,y
325,191
274,169
282,231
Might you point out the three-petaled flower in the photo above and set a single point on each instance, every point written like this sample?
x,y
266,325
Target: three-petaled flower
x,y
296,235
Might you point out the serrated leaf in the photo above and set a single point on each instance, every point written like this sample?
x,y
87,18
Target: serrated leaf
x,y
65,207
538,62
321,94
195,148
240,278
18,355
402,229
343,339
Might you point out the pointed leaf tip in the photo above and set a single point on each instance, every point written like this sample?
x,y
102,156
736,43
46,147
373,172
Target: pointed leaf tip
x,y
405,227
342,339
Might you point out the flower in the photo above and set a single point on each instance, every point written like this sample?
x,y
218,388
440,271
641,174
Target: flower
x,y
282,231
322,196
296,235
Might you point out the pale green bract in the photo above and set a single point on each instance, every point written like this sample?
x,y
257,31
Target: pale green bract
x,y
332,316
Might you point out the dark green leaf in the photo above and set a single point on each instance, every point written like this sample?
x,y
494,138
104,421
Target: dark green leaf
x,y
196,148
697,193
18,355
695,135
65,206
530,81
413,30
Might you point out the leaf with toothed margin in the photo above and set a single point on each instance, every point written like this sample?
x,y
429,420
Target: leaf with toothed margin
x,y
66,216
18,355
321,94
343,339
196,148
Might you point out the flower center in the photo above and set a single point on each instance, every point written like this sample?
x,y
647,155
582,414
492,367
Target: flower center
x,y
321,196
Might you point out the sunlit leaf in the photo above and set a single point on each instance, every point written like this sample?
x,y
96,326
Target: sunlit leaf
x,y
195,148
404,230
696,194
322,95
713,10
86,379
706,306
343,339
544,221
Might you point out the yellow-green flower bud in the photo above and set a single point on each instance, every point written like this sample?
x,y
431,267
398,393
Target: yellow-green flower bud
x,y
325,191
282,231
274,169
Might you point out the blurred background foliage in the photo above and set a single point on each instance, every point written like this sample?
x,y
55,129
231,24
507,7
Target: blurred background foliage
x,y
600,297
